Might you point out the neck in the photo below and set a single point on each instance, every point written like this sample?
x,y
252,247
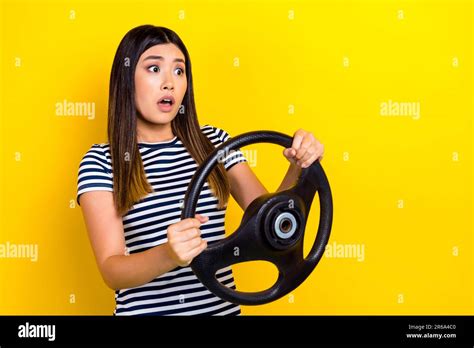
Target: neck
x,y
152,132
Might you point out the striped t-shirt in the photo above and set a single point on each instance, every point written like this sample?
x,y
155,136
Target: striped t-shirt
x,y
169,168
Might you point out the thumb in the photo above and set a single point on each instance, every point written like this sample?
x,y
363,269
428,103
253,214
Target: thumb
x,y
202,218
289,152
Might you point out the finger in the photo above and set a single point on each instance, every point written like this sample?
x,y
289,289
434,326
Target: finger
x,y
297,139
318,154
191,243
305,144
308,154
186,224
202,218
186,235
309,162
197,250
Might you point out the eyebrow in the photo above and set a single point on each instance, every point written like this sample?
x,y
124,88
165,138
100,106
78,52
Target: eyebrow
x,y
161,58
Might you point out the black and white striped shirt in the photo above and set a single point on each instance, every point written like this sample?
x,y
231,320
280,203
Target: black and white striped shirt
x,y
169,168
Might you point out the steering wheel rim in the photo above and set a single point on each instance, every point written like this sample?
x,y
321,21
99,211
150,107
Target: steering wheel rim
x,y
258,232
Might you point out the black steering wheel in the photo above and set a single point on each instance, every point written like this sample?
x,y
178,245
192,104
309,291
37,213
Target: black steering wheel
x,y
272,227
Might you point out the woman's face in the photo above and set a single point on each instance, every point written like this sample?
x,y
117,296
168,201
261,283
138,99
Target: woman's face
x,y
160,72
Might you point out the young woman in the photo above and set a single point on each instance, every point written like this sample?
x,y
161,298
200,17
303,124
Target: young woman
x,y
131,189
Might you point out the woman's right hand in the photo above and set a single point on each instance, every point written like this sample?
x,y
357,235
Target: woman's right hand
x,y
184,240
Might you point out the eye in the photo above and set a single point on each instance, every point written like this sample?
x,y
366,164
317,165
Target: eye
x,y
181,70
153,68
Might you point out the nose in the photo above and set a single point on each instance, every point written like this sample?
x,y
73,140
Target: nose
x,y
167,83
168,86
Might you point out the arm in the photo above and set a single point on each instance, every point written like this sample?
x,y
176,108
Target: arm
x,y
245,185
105,230
119,271
290,177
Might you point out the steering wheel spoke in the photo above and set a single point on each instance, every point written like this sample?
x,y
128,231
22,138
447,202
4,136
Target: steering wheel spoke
x,y
242,245
305,188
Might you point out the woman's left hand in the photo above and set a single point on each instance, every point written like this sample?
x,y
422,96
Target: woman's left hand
x,y
304,150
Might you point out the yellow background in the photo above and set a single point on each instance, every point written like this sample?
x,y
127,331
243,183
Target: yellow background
x,y
402,187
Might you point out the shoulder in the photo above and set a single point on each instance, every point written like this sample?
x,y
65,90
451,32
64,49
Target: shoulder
x,y
217,136
98,155
95,171
215,133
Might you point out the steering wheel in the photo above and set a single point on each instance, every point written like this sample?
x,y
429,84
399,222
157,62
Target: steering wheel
x,y
272,227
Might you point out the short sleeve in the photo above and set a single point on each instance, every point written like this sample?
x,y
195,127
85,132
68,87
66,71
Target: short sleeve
x,y
219,136
95,173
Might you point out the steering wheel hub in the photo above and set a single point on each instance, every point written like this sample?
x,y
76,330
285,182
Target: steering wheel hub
x,y
285,225
282,223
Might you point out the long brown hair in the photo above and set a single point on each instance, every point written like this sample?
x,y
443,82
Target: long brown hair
x,y
130,183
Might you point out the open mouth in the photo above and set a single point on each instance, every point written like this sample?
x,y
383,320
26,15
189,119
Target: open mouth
x,y
166,100
165,104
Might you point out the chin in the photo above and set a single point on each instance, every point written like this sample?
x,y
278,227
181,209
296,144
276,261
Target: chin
x,y
162,117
